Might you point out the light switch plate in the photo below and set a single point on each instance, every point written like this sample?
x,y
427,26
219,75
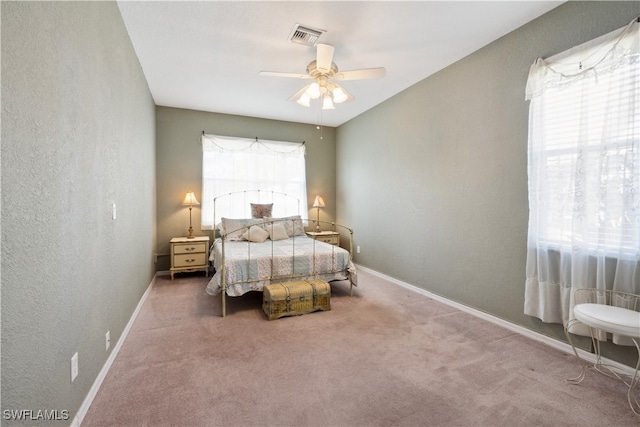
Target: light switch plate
x,y
74,367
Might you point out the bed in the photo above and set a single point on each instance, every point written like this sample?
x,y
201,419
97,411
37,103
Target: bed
x,y
249,253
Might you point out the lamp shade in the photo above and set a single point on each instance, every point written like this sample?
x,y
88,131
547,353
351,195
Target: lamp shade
x,y
327,103
339,95
190,199
313,91
304,100
318,202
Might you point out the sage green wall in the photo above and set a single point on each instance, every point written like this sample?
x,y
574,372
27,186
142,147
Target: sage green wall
x,y
434,180
77,135
179,164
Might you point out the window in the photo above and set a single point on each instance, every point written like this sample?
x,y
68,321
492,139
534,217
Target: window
x,y
237,164
587,163
584,173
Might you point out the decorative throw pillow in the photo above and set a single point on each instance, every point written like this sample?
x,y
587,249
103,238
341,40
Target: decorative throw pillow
x,y
256,234
276,231
234,228
261,210
292,224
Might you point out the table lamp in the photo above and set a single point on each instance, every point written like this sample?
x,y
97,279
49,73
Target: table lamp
x,y
190,200
318,203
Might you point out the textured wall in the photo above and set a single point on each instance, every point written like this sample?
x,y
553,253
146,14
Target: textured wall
x,y
440,170
179,163
78,134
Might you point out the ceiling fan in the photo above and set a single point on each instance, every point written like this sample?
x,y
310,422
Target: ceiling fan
x,y
323,71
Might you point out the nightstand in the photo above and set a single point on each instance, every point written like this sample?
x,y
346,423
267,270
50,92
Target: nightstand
x,y
190,254
331,237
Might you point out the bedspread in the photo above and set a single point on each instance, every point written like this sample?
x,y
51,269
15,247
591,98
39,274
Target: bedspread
x,y
250,266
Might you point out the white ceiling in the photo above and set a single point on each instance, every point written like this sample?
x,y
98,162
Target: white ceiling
x,y
206,55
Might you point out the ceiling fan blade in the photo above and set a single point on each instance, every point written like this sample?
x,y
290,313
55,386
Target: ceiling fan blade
x,y
324,57
279,74
365,73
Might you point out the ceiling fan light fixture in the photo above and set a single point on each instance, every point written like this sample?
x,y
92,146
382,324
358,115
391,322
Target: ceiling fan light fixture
x,y
313,91
304,100
327,103
339,96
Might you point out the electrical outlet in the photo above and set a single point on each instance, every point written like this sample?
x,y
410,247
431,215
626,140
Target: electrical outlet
x,y
107,338
358,249
74,366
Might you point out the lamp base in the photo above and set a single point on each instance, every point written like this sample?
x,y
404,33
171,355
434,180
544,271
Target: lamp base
x,y
318,221
190,236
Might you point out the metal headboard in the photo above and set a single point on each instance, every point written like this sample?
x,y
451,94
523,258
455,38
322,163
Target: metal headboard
x,y
262,196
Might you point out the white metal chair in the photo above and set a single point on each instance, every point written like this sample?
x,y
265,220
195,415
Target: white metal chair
x,y
611,312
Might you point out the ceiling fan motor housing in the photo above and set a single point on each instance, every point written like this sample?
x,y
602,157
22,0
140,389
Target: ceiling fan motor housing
x,y
314,72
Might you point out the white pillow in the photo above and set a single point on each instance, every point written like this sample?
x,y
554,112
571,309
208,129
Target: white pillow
x,y
277,232
256,234
234,228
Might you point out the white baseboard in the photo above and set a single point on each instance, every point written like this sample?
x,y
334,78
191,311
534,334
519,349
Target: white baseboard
x,y
552,342
86,404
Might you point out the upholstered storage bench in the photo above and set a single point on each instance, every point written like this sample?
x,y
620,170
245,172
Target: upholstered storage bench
x,y
295,298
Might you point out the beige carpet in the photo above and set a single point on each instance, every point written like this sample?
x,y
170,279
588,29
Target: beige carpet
x,y
384,357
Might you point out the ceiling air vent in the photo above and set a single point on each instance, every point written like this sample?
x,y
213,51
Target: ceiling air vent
x,y
305,35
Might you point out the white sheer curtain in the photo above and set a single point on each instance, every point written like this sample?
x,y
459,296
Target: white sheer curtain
x,y
236,164
584,173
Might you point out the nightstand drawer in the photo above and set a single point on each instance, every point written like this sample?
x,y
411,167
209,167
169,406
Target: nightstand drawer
x,y
190,249
187,260
332,240
330,237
